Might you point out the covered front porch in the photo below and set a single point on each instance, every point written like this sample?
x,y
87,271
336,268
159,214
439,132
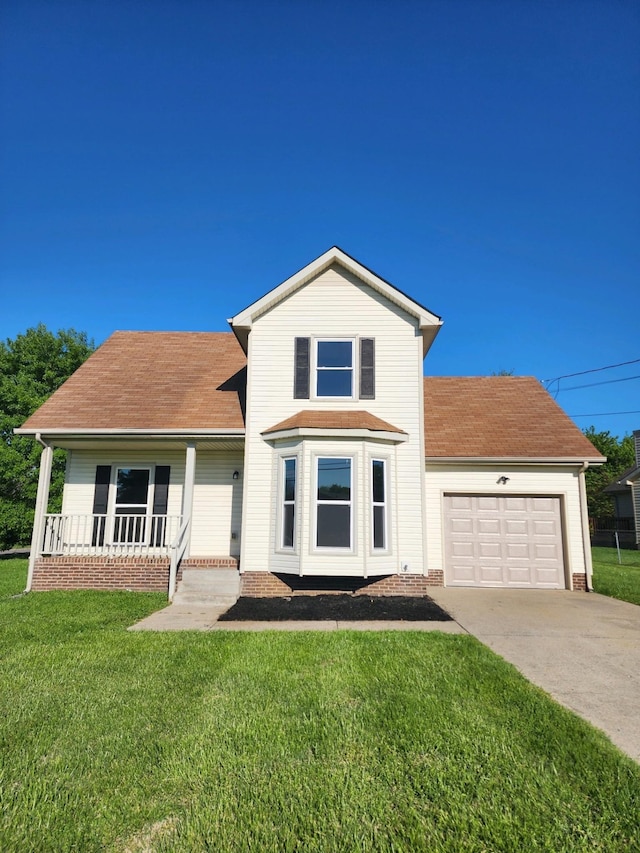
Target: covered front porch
x,y
135,511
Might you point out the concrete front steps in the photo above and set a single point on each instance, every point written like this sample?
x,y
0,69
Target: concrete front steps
x,y
204,587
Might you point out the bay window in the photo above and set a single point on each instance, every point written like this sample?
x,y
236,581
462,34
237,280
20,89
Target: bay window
x,y
334,502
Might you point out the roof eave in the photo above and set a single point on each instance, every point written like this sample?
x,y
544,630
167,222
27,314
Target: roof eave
x,y
515,460
54,432
336,432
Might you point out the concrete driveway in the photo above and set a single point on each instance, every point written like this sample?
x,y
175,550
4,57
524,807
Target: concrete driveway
x,y
582,648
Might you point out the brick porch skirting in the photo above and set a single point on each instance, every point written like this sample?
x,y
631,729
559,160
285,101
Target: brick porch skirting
x,y
139,574
267,585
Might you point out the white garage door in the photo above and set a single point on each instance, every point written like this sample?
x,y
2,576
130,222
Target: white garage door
x,y
491,540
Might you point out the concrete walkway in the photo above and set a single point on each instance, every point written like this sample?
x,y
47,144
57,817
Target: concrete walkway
x,y
178,617
583,649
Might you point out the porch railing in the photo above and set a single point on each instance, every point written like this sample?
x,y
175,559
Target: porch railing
x,y
109,535
178,549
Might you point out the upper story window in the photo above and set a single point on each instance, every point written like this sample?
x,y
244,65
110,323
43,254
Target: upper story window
x,y
334,368
331,368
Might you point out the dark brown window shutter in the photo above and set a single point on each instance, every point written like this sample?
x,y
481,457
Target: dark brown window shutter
x,y
367,369
302,366
101,493
100,502
160,501
161,490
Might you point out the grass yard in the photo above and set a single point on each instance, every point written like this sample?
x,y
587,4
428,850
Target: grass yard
x,y
117,741
618,581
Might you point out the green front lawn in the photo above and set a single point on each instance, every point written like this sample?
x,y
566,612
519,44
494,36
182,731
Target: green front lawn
x,y
618,581
272,741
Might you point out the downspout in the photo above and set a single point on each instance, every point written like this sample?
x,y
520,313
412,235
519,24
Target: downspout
x,y
586,541
42,499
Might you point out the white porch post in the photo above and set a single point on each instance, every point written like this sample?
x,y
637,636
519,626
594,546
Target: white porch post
x,y
187,493
42,501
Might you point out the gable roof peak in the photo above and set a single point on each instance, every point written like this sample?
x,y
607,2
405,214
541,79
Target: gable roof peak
x,y
242,322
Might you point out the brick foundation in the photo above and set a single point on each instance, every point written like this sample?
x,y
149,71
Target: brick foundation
x,y
579,582
138,574
404,584
262,585
267,585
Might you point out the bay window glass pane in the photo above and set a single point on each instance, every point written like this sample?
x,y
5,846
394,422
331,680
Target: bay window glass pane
x,y
289,479
335,354
378,527
287,526
378,481
334,526
334,479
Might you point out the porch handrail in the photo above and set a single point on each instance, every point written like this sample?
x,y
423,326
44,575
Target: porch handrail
x,y
178,548
96,534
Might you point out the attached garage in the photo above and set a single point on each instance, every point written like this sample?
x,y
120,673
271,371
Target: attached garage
x,y
504,541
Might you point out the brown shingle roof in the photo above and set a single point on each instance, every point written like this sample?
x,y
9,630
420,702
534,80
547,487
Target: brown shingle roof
x,y
152,380
334,420
498,416
196,381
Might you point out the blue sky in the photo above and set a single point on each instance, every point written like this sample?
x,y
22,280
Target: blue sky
x,y
163,164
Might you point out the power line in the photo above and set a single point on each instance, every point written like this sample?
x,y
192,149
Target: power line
x,y
593,384
603,414
593,370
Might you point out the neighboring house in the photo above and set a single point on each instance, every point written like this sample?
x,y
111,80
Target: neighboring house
x,y
625,491
307,442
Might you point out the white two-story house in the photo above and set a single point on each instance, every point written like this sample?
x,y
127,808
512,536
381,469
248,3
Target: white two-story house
x,y
307,442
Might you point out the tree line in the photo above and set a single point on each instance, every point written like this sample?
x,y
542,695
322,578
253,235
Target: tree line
x,y
36,363
32,367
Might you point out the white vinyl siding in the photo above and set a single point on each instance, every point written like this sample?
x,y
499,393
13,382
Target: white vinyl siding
x,y
542,480
311,312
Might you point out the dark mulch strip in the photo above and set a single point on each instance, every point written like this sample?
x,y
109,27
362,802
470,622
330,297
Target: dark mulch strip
x,y
344,608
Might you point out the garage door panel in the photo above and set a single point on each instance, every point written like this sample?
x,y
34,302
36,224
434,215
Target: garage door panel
x,y
514,504
462,525
490,574
488,526
491,540
489,550
544,528
515,526
486,503
463,549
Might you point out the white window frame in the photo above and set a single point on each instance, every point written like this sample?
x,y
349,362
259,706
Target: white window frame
x,y
353,368
283,502
114,505
351,503
384,504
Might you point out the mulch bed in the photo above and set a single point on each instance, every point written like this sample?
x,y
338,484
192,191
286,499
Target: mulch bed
x,y
343,608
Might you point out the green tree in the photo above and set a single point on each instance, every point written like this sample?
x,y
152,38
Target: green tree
x,y
620,456
32,367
